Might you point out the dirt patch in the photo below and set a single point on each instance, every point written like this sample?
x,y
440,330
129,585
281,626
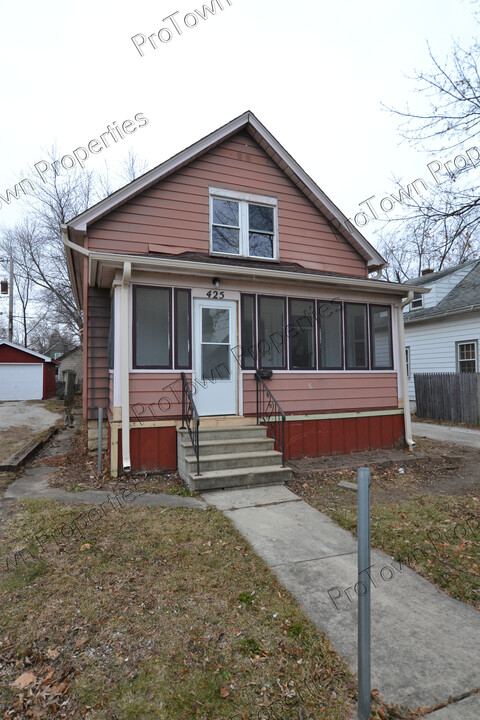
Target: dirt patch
x,y
432,468
77,471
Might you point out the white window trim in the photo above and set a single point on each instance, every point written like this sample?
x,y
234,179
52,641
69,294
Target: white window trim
x,y
408,359
244,198
457,348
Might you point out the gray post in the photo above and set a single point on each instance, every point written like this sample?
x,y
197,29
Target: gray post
x,y
100,443
363,530
10,304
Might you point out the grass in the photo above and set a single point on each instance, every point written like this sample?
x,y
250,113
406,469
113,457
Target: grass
x,y
435,535
13,439
156,613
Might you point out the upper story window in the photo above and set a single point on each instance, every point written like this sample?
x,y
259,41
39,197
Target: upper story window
x,y
242,224
417,301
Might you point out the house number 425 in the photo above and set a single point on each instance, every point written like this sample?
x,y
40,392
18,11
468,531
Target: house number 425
x,y
215,294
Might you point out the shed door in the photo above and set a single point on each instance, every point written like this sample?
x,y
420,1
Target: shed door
x,y
21,381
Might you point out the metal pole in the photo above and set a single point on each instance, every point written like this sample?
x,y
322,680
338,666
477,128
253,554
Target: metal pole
x,y
100,443
10,304
364,643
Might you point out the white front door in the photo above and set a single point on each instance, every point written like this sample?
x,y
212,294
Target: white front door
x,y
215,370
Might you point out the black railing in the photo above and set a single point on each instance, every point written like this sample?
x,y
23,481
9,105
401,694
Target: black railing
x,y
191,419
270,412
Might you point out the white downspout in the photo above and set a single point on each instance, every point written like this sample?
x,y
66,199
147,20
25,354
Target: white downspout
x,y
124,365
403,369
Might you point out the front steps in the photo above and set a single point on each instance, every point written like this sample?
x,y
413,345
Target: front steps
x,y
235,456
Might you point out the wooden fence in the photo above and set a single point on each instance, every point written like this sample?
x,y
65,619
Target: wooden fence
x,y
447,396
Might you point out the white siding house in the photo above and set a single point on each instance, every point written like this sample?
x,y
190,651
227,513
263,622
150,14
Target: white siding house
x,y
442,329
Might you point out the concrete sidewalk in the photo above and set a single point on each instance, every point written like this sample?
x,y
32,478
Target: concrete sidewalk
x,y
425,645
448,433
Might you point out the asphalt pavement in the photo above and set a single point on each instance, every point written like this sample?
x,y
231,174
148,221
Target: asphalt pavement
x,y
447,433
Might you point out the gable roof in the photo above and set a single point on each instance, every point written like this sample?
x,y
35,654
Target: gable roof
x,y
26,350
464,297
77,227
433,277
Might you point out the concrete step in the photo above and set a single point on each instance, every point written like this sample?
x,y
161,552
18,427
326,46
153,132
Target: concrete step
x,y
229,433
235,445
240,477
227,461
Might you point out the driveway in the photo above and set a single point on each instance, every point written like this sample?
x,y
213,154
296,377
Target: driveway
x,y
448,433
24,413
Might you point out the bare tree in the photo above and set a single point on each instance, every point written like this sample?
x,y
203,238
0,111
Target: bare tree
x,y
444,228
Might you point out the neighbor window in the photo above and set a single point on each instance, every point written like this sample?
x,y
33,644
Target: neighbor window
x,y
243,225
301,334
417,301
467,357
271,328
152,327
407,360
381,337
329,320
356,342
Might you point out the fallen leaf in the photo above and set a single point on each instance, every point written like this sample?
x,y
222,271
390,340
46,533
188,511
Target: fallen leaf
x,y
224,692
25,679
53,654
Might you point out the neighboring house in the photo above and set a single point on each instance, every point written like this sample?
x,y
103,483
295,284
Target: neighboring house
x,y
225,259
442,328
72,360
25,374
58,349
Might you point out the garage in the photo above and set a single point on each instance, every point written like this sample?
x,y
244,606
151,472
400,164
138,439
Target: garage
x,y
25,374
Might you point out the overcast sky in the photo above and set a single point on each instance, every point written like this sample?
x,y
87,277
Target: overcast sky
x,y
314,73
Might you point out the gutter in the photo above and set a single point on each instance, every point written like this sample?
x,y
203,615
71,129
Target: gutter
x,y
403,369
438,316
124,366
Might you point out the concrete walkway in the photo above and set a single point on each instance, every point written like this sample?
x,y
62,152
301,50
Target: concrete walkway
x,y
448,433
425,645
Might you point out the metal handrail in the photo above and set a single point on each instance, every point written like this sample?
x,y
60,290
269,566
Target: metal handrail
x,y
191,418
269,410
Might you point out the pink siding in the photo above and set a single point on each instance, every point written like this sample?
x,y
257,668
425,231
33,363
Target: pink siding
x,y
152,399
173,216
322,393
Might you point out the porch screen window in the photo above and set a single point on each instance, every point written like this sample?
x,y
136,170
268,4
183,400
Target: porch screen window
x,y
301,333
152,327
111,335
467,357
356,343
182,329
247,351
243,225
329,320
381,337
271,328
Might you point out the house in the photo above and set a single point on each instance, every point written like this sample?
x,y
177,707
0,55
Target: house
x,y
73,361
25,374
225,260
442,328
58,349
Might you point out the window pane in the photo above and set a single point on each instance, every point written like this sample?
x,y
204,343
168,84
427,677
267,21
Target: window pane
x,y
215,362
215,325
182,328
300,331
467,357
225,212
330,335
381,337
152,327
260,245
225,240
248,331
356,336
271,345
260,218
